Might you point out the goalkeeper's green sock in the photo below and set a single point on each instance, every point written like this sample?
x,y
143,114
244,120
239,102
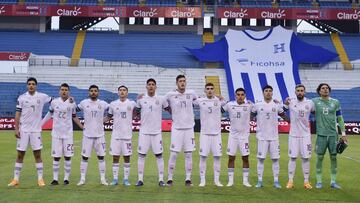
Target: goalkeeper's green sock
x,y
319,161
333,168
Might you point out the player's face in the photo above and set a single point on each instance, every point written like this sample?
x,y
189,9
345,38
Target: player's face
x,y
300,93
181,84
324,91
31,86
123,93
209,91
151,87
268,93
93,93
240,97
64,92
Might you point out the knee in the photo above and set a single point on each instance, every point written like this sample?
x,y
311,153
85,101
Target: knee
x,y
142,155
261,160
293,159
232,158
320,157
333,157
275,160
245,158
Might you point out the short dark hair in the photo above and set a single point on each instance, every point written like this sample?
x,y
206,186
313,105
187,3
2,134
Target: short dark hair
x,y
65,85
123,86
31,79
151,80
209,84
300,85
180,76
93,86
267,87
240,90
320,86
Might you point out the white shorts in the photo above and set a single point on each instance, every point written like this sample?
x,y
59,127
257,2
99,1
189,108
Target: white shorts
x,y
300,146
62,147
98,143
120,147
235,142
150,141
271,146
29,137
210,143
182,139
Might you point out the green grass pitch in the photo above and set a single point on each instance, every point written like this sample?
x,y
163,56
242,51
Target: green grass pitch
x,y
348,178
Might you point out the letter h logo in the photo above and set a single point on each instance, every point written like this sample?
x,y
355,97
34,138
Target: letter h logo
x,y
279,48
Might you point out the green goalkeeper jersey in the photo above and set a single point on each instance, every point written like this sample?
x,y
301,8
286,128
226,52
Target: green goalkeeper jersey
x,y
326,112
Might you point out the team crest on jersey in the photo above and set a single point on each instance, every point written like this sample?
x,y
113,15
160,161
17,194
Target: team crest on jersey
x,y
129,108
261,109
68,109
38,101
273,110
157,102
204,103
57,107
87,106
215,103
332,105
245,108
99,107
187,96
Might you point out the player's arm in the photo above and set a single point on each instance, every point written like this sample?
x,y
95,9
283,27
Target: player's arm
x,y
341,123
46,118
282,113
77,121
17,123
109,115
286,104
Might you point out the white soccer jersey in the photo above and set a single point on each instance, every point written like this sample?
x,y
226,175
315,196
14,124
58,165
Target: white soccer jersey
x,y
267,120
62,113
299,117
31,107
94,117
122,113
210,115
239,115
182,108
151,113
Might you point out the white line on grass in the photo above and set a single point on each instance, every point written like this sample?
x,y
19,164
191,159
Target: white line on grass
x,y
356,160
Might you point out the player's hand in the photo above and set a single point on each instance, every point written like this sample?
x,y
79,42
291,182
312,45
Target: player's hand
x,y
344,138
276,101
71,100
17,134
250,102
287,101
140,96
221,98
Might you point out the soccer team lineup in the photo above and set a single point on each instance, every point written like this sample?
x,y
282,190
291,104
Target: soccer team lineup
x,y
180,104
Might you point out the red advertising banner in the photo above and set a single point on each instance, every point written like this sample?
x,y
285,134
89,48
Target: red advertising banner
x,y
106,11
73,11
29,10
5,10
145,12
14,56
182,12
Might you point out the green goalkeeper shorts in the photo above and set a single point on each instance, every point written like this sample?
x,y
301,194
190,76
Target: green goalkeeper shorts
x,y
326,142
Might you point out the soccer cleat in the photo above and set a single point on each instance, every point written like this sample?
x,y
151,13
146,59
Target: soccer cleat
x,y
188,183
104,182
202,184
335,186
81,182
114,182
66,182
318,185
126,182
169,183
41,183
13,183
259,184
277,185
230,184
54,182
247,184
218,184
139,183
290,185
162,184
307,185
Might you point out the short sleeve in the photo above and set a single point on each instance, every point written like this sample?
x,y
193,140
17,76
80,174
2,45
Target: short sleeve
x,y
47,98
138,104
80,106
111,110
19,104
51,108
280,108
74,108
254,109
165,103
226,107
196,101
133,103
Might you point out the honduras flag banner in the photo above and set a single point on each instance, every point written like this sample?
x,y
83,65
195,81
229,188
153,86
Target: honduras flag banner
x,y
253,59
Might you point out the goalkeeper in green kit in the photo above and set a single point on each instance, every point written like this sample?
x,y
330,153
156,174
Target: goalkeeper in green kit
x,y
327,115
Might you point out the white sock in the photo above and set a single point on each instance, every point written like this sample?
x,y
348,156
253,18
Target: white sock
x,y
246,175
56,168
188,165
40,170
102,169
141,164
17,170
83,169
115,169
291,168
160,165
231,175
202,168
126,171
276,169
172,164
217,166
260,168
306,169
67,169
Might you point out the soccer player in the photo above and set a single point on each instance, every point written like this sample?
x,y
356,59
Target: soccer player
x,y
300,135
151,106
63,111
327,115
210,133
28,129
182,129
239,114
93,134
121,110
267,134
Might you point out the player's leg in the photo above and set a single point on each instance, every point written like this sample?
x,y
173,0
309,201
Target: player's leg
x,y
333,161
189,147
203,152
231,152
262,149
293,150
245,152
56,168
36,144
56,153
216,149
306,148
68,148
321,145
87,145
156,145
67,169
127,152
275,156
115,148
143,147
22,143
177,137
100,149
